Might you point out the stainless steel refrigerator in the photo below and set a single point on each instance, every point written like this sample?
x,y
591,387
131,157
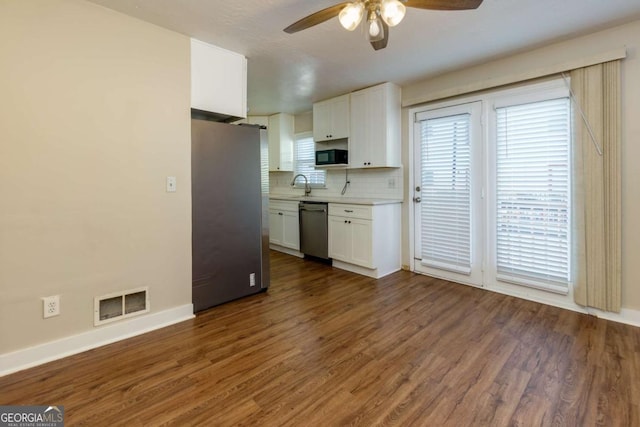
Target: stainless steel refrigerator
x,y
230,236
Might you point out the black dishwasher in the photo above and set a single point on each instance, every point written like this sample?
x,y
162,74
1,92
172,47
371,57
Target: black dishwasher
x,y
314,234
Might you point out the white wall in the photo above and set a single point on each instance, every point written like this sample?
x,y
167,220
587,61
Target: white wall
x,y
303,122
94,116
583,47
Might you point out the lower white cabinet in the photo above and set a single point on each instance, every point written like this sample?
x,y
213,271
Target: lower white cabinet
x,y
365,239
350,240
284,227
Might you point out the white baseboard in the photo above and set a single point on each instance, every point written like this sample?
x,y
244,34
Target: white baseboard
x,y
97,337
370,272
626,315
355,269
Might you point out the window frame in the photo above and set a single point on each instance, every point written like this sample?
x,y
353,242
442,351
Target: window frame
x,y
474,275
532,93
300,182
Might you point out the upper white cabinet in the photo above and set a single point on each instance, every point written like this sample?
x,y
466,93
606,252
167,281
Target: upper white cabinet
x,y
280,134
331,119
375,127
218,80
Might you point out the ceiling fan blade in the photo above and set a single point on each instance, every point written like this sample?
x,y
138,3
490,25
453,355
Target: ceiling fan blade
x,y
443,4
315,18
381,44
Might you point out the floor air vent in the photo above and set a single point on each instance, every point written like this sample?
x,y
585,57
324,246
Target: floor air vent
x,y
112,307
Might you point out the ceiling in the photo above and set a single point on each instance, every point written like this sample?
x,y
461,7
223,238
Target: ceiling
x,y
288,72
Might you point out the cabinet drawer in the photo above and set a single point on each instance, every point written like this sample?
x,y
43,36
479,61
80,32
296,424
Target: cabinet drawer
x,y
350,211
283,205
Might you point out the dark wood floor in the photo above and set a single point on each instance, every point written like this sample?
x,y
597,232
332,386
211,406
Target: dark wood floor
x,y
326,347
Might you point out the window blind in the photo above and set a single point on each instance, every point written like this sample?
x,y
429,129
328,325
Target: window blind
x,y
305,161
533,193
446,193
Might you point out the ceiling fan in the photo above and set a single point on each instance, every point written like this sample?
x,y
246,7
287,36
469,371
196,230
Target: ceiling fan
x,y
380,15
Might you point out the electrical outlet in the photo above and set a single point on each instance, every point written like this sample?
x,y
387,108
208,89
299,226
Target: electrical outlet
x,y
252,279
51,306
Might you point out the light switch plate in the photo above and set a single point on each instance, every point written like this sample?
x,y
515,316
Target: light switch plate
x,y
171,184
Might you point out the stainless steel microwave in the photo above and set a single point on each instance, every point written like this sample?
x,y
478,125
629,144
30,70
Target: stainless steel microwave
x,y
332,157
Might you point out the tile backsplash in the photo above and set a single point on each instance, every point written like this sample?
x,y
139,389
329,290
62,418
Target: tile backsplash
x,y
384,183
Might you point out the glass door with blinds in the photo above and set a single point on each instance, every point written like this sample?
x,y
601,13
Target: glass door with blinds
x,y
530,199
493,207
447,195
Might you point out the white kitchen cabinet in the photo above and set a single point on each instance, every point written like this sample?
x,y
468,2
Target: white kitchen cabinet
x,y
284,228
331,119
375,127
276,227
362,242
365,239
339,239
350,240
280,132
218,80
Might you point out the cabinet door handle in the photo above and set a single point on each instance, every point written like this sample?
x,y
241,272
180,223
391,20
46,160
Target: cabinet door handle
x,y
348,211
280,213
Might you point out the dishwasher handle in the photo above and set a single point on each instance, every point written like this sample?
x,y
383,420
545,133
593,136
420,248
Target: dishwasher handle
x,y
313,210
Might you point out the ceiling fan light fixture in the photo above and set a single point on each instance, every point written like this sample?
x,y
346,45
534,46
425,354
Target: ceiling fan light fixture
x,y
392,11
351,15
375,30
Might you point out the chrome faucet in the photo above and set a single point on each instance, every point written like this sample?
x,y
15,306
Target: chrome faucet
x,y
307,188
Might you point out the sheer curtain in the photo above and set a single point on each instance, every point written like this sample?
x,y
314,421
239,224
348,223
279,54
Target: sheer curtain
x,y
597,186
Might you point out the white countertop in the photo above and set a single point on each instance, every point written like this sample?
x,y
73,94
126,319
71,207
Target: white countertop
x,y
333,199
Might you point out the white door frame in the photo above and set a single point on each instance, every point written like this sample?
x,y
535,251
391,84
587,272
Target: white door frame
x,y
475,109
